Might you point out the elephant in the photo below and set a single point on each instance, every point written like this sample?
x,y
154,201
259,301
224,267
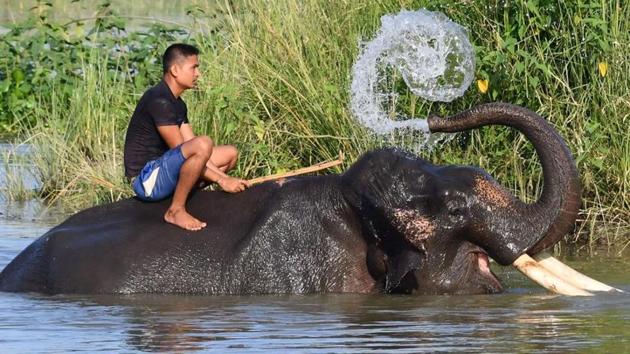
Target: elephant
x,y
391,223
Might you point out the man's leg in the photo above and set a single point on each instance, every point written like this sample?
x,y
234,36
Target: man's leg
x,y
197,152
224,157
222,160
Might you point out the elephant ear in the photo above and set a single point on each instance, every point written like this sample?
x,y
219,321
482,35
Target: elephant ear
x,y
370,187
398,267
366,183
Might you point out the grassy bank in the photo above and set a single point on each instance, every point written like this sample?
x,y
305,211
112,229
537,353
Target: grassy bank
x,y
275,83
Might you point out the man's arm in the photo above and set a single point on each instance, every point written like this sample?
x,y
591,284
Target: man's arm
x,y
174,136
171,134
186,131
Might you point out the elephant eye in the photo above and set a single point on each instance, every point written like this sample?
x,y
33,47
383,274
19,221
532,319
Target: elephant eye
x,y
421,202
457,211
455,208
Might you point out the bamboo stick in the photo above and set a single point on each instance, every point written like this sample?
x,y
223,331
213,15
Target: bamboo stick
x,y
301,171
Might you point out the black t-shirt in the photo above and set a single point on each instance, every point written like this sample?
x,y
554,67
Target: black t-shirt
x,y
143,142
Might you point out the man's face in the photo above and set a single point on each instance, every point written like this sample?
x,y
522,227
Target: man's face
x,y
187,71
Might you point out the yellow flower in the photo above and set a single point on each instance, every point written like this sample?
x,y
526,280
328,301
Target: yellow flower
x,y
603,68
482,85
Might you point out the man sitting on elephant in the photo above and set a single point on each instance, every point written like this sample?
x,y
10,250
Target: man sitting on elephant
x,y
163,157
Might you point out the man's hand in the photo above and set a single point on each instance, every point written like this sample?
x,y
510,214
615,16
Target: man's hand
x,y
232,185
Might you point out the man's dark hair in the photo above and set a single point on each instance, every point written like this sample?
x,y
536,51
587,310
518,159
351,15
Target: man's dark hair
x,y
175,52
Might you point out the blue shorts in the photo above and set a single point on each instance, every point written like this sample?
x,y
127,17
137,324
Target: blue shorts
x,y
158,177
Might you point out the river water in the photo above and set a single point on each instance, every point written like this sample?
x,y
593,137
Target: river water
x,y
524,319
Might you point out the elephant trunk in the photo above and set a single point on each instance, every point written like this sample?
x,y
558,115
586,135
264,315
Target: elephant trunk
x,y
543,223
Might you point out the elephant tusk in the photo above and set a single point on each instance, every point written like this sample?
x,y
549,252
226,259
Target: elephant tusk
x,y
534,271
571,275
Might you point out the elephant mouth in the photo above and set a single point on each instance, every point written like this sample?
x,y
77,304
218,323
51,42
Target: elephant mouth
x,y
482,262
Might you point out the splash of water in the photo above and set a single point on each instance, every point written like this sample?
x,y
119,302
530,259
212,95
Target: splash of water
x,y
430,52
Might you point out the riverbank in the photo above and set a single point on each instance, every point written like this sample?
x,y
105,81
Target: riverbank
x,y
275,83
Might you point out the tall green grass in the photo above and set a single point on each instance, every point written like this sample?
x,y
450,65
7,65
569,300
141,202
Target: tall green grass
x,y
78,139
276,79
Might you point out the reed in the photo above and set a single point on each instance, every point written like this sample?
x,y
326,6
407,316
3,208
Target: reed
x,y
13,185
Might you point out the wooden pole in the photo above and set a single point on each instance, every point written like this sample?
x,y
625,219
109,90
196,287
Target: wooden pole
x,y
301,171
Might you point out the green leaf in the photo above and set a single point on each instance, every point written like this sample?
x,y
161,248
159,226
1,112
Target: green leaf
x,y
25,88
521,32
17,75
532,6
510,44
500,59
5,85
259,130
594,21
592,127
544,68
599,163
229,128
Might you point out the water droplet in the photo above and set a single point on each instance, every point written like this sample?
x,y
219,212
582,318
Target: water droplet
x,y
430,52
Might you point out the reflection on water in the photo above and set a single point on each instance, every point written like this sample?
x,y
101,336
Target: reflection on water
x,y
524,319
15,169
318,323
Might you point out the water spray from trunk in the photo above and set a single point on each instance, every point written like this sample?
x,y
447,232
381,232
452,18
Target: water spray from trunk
x,y
430,52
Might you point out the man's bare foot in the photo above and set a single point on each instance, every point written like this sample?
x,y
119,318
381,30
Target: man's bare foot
x,y
181,218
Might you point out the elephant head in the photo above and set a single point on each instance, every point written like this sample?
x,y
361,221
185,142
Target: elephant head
x,y
431,228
